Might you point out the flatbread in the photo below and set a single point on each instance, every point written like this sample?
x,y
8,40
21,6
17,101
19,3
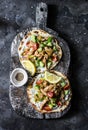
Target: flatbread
x,y
31,92
39,33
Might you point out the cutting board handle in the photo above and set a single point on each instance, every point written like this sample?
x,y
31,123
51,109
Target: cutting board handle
x,y
41,15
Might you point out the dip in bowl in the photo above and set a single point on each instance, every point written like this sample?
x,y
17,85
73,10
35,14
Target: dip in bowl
x,y
18,77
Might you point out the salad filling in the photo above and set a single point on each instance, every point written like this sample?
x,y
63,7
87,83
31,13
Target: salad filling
x,y
41,49
49,97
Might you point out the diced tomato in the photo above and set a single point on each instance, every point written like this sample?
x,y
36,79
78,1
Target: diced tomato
x,y
54,58
50,94
39,81
47,108
35,46
66,87
59,103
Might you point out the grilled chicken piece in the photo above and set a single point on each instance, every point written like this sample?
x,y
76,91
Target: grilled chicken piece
x,y
46,56
48,51
42,53
44,60
31,51
31,43
39,38
36,53
40,57
39,54
49,88
43,92
45,83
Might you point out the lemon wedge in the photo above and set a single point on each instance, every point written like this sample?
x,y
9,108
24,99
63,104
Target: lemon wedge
x,y
52,78
29,66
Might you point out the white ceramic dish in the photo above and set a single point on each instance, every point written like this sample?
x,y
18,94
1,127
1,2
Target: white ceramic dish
x,y
16,82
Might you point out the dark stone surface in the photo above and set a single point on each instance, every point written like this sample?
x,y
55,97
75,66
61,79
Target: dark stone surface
x,y
70,19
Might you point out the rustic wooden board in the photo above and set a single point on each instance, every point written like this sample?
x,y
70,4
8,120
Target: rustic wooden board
x,y
18,96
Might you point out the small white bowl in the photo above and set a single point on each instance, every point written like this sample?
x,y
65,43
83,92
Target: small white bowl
x,y
13,79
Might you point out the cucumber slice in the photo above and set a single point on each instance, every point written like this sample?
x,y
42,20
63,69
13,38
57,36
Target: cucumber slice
x,y
37,87
42,45
66,92
33,38
37,63
63,84
54,48
41,64
45,43
49,64
50,105
49,44
39,49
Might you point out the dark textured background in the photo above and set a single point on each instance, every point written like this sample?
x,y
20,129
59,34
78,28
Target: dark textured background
x,y
70,19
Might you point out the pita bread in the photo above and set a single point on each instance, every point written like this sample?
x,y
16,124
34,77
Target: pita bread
x,y
40,33
37,105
